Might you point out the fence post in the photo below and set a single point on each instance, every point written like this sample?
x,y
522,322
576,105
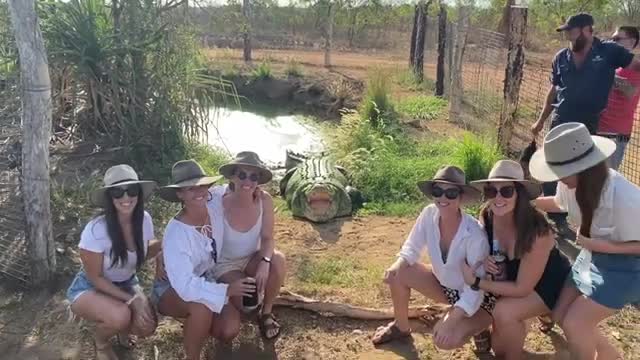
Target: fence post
x,y
421,34
36,131
329,35
449,47
246,34
460,42
414,29
513,74
442,38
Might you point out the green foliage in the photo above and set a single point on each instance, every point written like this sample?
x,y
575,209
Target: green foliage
x,y
293,68
422,107
377,107
262,71
316,273
407,79
210,157
476,156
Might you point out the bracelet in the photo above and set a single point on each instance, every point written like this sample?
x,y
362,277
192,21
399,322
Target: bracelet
x,y
128,302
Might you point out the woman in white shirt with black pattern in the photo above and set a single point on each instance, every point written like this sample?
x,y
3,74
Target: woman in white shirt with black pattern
x,y
192,242
451,238
113,246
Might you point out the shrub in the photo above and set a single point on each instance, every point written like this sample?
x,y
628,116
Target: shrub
x,y
422,107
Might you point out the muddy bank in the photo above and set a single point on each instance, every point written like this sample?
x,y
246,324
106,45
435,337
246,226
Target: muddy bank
x,y
321,97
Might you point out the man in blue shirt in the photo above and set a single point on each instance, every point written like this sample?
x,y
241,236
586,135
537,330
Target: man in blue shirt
x,y
582,76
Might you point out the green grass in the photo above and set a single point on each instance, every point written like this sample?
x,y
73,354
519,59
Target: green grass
x,y
406,79
377,106
262,71
293,68
209,157
422,107
314,273
476,156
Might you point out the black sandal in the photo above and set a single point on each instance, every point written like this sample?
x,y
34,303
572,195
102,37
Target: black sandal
x,y
267,323
391,332
482,341
546,324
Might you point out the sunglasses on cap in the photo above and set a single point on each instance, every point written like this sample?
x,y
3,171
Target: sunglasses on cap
x,y
243,175
118,192
490,192
451,193
618,38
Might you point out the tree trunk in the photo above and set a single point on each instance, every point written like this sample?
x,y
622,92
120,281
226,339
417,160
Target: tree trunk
x,y
421,34
246,36
442,41
414,31
36,133
503,26
329,36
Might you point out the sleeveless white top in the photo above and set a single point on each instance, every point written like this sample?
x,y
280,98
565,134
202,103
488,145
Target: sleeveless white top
x,y
239,244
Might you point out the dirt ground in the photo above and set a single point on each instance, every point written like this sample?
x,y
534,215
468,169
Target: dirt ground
x,y
34,325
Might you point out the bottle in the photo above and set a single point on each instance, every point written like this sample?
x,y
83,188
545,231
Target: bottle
x,y
500,259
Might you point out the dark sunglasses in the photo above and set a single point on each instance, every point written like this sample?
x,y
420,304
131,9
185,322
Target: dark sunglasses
x,y
214,252
243,175
506,192
118,192
451,193
618,38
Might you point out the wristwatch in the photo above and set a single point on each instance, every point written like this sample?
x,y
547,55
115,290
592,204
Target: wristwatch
x,y
266,259
476,284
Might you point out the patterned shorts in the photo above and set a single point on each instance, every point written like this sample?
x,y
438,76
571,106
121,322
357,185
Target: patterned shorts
x,y
488,303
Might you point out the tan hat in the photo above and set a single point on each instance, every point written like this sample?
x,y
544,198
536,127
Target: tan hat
x,y
569,149
452,175
248,159
509,170
185,173
116,176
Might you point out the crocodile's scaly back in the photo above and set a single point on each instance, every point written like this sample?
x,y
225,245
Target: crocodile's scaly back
x,y
315,189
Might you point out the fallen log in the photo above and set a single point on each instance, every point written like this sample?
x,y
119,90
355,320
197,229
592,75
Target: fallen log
x,y
296,301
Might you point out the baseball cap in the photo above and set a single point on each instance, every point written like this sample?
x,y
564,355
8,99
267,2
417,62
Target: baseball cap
x,y
576,21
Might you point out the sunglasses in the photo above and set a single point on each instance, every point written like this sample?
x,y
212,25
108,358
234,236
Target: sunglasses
x,y
618,38
243,175
451,193
118,192
506,192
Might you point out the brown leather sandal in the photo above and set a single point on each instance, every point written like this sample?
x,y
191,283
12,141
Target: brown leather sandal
x,y
388,333
546,324
482,341
267,323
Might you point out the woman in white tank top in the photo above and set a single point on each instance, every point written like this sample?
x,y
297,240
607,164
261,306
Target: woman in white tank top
x,y
248,246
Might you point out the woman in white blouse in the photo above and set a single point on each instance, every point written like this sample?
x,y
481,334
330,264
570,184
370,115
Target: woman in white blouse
x,y
606,207
451,239
113,246
192,242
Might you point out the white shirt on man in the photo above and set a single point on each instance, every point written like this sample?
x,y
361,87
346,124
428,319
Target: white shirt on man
x,y
95,238
470,244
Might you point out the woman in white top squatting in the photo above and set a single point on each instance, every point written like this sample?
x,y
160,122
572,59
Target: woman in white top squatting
x,y
113,246
192,242
249,247
451,238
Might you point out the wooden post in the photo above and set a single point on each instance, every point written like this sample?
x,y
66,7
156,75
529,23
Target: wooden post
x,y
513,74
36,133
414,30
455,97
421,34
328,43
246,36
450,41
442,38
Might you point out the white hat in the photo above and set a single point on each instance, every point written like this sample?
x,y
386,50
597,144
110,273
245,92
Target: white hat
x,y
120,175
569,149
509,170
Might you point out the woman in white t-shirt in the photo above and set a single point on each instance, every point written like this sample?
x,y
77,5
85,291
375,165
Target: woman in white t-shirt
x,y
113,246
192,242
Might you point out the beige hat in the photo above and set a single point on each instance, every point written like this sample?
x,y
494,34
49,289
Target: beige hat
x,y
185,173
248,159
452,175
509,170
116,176
569,149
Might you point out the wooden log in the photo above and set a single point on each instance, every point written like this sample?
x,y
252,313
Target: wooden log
x,y
513,75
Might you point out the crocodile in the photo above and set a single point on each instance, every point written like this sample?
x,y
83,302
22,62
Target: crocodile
x,y
316,189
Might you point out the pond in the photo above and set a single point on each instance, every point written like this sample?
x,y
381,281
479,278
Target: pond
x,y
269,135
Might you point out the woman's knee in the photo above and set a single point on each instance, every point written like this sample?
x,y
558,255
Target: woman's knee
x,y
226,331
118,318
279,264
572,325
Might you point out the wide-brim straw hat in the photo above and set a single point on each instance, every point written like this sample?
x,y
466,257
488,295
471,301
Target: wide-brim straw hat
x,y
117,176
185,173
451,175
569,149
509,171
247,159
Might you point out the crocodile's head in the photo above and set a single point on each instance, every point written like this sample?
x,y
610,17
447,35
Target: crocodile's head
x,y
320,202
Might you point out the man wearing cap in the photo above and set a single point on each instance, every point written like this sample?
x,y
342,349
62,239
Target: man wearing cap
x,y
581,79
582,76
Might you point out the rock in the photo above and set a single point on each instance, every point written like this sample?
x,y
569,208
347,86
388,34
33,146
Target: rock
x,y
357,332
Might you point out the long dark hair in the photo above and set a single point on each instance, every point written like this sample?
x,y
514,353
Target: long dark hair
x,y
119,255
530,222
588,193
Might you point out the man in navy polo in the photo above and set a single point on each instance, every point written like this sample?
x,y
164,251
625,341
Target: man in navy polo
x,y
582,76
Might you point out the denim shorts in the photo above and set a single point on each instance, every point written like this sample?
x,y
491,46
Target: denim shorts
x,y
159,288
81,284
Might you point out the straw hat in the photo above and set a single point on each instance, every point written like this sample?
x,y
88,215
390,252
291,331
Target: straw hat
x,y
509,170
185,173
247,159
452,175
116,176
568,150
